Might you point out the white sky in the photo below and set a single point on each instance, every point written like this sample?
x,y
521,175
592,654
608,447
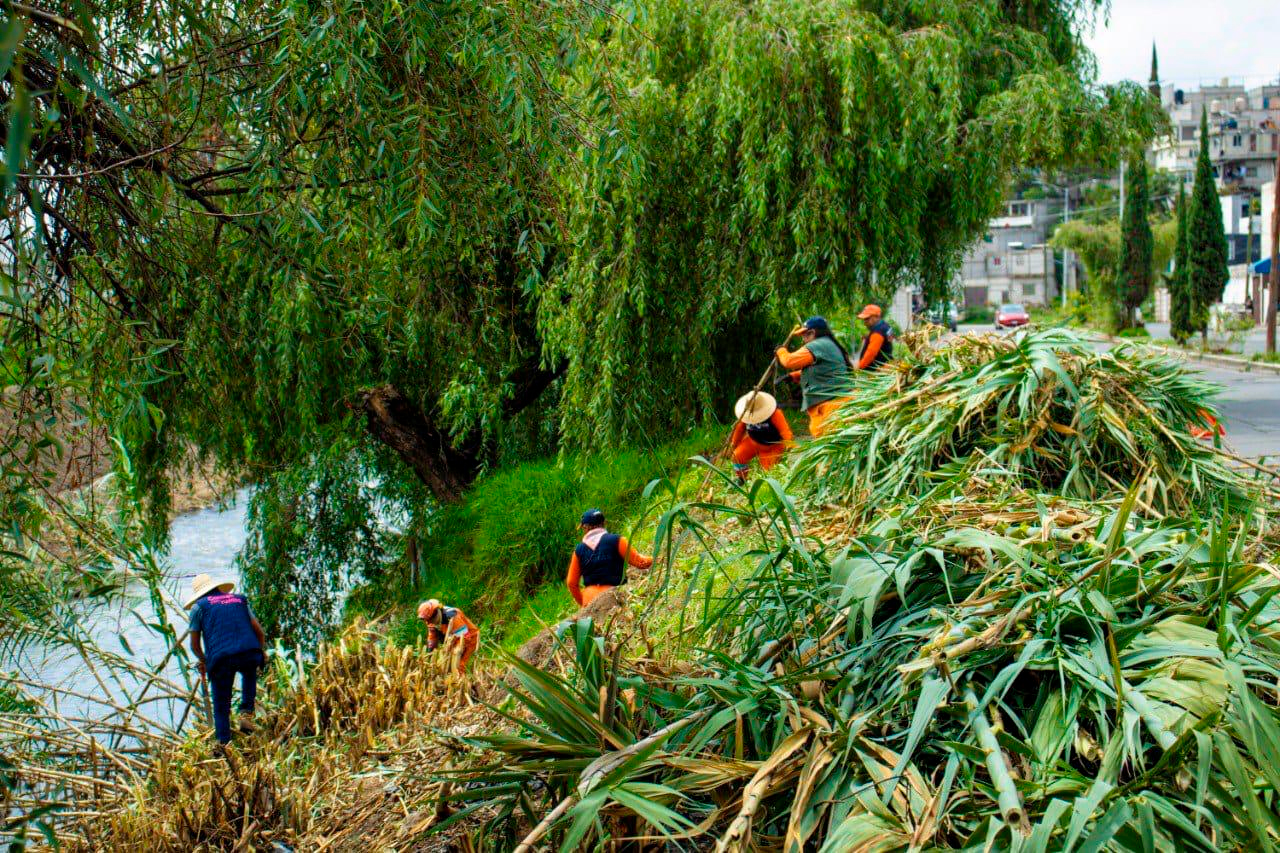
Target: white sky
x,y
1198,41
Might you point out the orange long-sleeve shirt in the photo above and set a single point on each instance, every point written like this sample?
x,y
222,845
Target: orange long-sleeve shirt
x,y
875,341
797,360
460,629
633,557
794,361
778,419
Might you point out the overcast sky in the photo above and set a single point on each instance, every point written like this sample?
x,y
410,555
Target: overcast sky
x,y
1197,41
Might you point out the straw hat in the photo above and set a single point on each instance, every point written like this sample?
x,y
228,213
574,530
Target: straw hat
x,y
755,407
203,584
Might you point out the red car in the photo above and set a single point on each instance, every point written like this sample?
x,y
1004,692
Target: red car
x,y
1010,316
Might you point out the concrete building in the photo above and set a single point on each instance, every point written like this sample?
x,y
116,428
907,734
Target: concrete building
x,y
1244,133
1012,263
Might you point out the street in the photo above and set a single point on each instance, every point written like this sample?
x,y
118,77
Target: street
x,y
1249,405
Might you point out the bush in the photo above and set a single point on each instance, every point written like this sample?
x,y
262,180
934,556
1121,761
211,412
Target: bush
x,y
1133,332
980,314
492,552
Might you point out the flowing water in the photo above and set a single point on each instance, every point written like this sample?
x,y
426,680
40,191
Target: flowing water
x,y
203,541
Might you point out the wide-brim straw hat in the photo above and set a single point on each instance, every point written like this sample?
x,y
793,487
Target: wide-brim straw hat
x,y
202,585
755,407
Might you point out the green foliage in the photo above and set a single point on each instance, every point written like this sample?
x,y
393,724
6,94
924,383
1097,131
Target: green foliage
x,y
992,663
980,314
1099,248
788,152
1206,240
1133,332
1133,283
1046,410
1181,299
514,531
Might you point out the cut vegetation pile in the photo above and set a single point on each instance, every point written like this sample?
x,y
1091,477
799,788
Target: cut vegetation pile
x,y
1016,653
1020,610
1045,409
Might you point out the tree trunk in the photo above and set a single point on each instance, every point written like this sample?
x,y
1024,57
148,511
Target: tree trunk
x,y
446,468
393,419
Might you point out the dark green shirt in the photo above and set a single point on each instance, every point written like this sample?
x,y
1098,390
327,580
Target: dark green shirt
x,y
827,378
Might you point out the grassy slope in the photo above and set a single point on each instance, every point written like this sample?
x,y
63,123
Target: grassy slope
x,y
502,553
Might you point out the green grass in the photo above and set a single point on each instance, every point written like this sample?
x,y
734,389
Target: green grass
x,y
1137,332
501,553
1266,357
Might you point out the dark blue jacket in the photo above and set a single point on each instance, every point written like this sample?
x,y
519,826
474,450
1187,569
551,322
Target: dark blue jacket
x,y
224,625
602,566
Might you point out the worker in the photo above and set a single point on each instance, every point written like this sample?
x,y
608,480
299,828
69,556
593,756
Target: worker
x,y
599,560
450,626
877,346
762,432
821,366
226,639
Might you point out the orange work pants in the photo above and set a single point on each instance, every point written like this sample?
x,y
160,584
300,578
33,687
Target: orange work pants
x,y
747,449
591,593
469,645
821,413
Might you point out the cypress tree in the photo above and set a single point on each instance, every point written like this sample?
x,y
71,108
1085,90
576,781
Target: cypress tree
x,y
1179,294
1133,281
1206,241
1153,85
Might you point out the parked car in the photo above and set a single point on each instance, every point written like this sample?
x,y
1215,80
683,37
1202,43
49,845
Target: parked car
x,y
954,315
1011,316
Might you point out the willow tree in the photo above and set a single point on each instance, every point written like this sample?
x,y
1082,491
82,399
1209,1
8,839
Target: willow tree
x,y
301,239
787,155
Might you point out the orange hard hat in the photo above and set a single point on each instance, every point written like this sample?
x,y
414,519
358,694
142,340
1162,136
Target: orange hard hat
x,y
428,608
869,311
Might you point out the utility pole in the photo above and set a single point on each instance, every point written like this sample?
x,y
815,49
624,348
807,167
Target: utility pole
x,y
1122,189
1273,288
1066,253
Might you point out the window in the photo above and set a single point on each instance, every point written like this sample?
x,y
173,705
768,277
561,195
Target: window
x,y
1020,208
1253,142
1235,140
1188,132
1251,171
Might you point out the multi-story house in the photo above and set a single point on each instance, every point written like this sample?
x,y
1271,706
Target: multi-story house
x,y
1244,133
1012,263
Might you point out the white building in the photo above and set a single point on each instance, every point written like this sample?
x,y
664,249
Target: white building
x,y
1012,263
1244,133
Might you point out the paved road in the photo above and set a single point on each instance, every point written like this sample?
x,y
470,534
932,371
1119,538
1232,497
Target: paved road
x,y
1250,406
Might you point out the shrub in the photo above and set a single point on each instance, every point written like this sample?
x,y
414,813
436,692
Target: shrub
x,y
1133,332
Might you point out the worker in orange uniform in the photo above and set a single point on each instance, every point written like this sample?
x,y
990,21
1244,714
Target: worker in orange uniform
x,y
450,626
762,432
821,366
599,560
877,346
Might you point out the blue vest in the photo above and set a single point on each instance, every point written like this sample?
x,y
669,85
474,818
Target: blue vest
x,y
224,626
603,566
886,349
764,433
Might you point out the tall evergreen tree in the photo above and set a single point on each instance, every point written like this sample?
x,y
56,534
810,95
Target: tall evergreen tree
x,y
1206,241
1180,299
1133,282
1153,85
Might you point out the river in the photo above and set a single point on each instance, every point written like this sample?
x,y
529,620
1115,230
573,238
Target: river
x,y
203,541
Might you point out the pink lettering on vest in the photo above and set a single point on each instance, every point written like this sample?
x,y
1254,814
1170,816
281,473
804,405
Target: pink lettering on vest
x,y
225,598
